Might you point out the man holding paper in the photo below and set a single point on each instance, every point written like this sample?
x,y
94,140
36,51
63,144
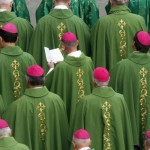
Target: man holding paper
x,y
71,79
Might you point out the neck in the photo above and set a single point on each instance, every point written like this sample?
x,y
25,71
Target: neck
x,y
9,44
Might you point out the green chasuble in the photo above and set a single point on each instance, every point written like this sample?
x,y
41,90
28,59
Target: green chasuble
x,y
49,30
20,9
112,36
131,77
141,7
38,119
9,143
24,28
71,80
104,114
2,108
13,65
85,9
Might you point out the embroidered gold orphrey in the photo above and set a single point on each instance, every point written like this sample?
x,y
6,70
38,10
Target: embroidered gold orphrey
x,y
143,72
107,142
17,85
122,24
41,107
80,83
61,27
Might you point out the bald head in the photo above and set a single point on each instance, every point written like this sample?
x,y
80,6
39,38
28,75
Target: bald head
x,y
6,4
119,2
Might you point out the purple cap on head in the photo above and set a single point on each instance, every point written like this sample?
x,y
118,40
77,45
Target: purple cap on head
x,y
68,37
147,134
144,38
9,27
81,134
101,74
35,71
3,124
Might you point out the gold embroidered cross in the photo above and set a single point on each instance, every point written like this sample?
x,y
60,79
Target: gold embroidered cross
x,y
79,73
106,106
143,72
122,24
61,26
15,64
41,106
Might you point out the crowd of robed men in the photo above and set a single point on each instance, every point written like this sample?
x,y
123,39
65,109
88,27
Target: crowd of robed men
x,y
44,120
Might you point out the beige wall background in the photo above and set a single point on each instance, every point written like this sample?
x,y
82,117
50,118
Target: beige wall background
x,y
33,4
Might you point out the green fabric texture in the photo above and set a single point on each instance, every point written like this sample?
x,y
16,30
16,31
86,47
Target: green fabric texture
x,y
39,120
20,9
127,78
141,7
25,29
49,30
112,36
2,108
104,114
13,65
9,143
68,77
85,9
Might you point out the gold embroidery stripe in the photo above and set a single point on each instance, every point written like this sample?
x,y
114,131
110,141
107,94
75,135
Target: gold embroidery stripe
x,y
143,72
61,27
80,83
107,142
41,115
17,85
122,24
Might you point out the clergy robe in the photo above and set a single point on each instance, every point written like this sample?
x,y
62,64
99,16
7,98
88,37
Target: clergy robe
x,y
9,143
24,28
49,30
71,80
2,108
13,65
104,114
20,9
85,9
112,36
140,7
39,120
131,77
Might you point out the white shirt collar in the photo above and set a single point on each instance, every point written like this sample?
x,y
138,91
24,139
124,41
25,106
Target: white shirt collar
x,y
60,7
85,148
75,54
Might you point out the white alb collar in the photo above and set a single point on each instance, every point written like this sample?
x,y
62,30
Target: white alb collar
x,y
60,7
85,148
75,54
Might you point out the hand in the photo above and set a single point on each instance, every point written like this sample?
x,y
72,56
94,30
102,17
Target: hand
x,y
50,65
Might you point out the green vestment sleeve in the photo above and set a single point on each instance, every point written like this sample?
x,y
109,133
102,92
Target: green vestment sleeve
x,y
20,9
2,108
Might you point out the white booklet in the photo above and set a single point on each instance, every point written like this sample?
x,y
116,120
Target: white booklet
x,y
53,55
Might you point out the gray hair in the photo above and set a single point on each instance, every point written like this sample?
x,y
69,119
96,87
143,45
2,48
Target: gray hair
x,y
5,131
120,2
98,83
81,141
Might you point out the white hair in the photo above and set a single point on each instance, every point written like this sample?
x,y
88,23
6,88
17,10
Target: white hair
x,y
81,141
5,131
98,83
5,1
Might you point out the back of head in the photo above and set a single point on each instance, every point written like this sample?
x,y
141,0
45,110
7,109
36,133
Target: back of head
x,y
5,131
9,33
101,76
5,1
119,2
81,138
142,41
35,75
